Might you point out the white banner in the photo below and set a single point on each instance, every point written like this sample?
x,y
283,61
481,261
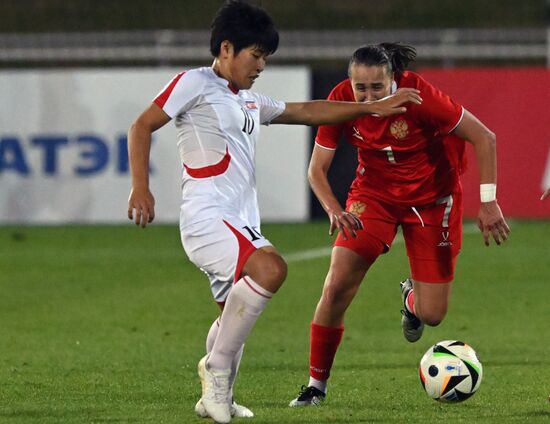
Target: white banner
x,y
63,153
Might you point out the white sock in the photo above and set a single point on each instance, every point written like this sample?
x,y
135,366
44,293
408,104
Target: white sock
x,y
246,301
212,333
318,384
210,339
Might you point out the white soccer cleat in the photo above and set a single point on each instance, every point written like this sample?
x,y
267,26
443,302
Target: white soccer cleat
x,y
235,410
215,393
240,411
199,409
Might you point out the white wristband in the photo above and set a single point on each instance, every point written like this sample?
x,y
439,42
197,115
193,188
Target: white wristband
x,y
487,192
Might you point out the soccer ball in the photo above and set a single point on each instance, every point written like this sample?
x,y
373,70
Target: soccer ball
x,y
450,371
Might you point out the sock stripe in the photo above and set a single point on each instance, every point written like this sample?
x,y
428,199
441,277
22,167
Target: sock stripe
x,y
409,302
253,289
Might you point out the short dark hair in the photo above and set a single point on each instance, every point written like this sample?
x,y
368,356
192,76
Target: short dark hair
x,y
395,56
243,25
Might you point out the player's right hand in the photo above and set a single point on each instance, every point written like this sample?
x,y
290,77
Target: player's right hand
x,y
344,222
393,104
491,222
142,202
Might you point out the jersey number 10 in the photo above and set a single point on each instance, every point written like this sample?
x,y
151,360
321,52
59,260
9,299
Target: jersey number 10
x,y
248,126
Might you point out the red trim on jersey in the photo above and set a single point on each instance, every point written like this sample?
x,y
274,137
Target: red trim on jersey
x,y
162,98
246,248
234,89
211,170
253,289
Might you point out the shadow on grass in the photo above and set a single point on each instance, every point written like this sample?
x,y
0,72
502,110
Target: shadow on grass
x,y
257,367
534,414
88,415
508,363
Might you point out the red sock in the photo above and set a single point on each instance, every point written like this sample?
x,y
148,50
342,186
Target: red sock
x,y
324,342
410,301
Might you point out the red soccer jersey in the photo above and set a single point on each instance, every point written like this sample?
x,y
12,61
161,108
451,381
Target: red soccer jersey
x,y
408,159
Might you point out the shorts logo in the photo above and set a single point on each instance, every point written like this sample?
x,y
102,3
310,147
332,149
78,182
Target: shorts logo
x,y
445,242
357,208
399,129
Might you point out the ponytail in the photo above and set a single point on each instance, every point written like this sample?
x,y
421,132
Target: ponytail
x,y
395,56
400,55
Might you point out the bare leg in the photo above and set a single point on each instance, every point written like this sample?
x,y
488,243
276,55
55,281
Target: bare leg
x,y
347,270
431,301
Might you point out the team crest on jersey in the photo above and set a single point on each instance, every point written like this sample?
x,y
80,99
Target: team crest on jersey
x,y
251,104
357,208
399,129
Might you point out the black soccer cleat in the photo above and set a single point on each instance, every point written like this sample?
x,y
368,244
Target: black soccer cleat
x,y
308,396
412,326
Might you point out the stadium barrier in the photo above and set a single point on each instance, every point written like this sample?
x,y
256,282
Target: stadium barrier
x,y
63,154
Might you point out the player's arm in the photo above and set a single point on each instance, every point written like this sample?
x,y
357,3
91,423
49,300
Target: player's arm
x,y
490,218
141,199
326,112
317,175
546,194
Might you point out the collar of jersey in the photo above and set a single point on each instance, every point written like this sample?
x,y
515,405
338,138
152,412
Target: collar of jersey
x,y
225,82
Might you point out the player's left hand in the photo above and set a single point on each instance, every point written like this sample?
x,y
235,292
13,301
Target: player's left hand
x,y
546,194
491,222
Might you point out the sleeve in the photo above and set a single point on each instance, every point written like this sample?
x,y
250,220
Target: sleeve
x,y
180,94
438,110
269,108
328,136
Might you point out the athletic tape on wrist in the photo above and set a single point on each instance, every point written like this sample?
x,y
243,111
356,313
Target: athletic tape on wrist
x,y
487,192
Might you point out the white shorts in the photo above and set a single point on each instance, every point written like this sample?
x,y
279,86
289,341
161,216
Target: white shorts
x,y
220,248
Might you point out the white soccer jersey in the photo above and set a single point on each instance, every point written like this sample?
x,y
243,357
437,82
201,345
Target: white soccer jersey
x,y
218,129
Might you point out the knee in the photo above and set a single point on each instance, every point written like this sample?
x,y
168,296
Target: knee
x,y
336,293
432,321
433,318
278,270
273,272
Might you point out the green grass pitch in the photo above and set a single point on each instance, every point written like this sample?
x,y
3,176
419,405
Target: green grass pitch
x,y
106,325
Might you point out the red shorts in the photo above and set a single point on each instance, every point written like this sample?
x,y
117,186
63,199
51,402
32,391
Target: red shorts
x,y
432,233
